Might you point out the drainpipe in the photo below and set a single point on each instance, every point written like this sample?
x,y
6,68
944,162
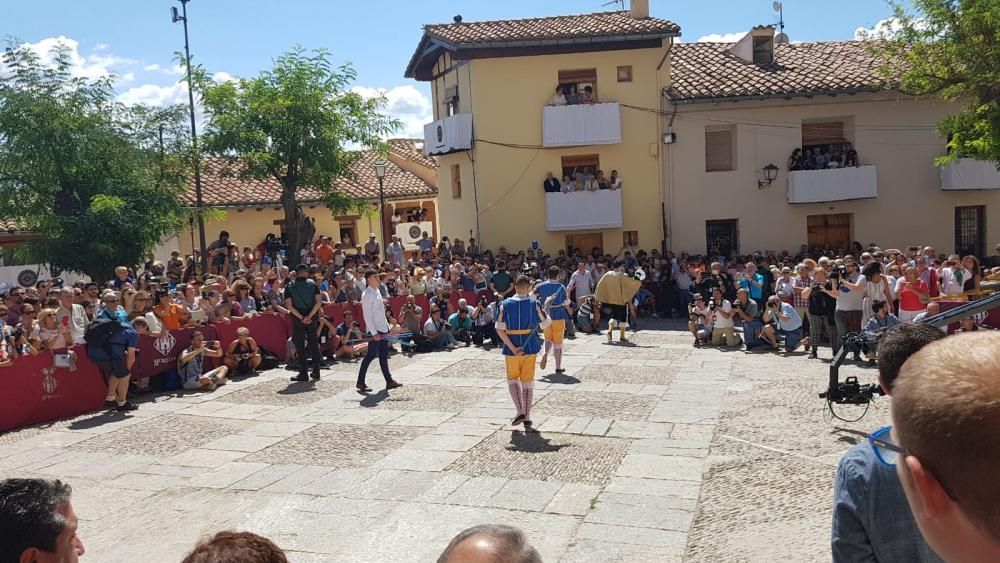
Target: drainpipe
x,y
664,225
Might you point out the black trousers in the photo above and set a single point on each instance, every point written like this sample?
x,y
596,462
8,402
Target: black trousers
x,y
306,343
378,348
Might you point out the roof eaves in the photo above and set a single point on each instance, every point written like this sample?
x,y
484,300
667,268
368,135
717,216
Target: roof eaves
x,y
775,95
568,40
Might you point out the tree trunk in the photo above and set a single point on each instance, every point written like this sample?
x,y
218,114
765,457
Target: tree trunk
x,y
299,227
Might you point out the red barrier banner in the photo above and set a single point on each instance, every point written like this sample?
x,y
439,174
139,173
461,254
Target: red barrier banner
x,y
33,390
990,318
157,355
270,331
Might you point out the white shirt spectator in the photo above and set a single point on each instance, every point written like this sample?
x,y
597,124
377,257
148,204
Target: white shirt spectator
x,y
373,310
77,321
616,184
582,283
949,280
721,321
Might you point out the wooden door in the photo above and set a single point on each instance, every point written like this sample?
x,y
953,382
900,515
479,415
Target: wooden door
x,y
829,231
585,242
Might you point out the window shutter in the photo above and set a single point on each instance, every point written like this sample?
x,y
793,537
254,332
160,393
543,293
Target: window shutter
x,y
822,133
718,151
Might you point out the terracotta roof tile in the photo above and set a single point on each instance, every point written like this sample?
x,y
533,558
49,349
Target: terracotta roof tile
x,y
550,28
708,70
222,189
411,149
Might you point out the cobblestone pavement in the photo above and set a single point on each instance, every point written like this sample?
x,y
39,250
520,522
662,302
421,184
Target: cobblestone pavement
x,y
648,452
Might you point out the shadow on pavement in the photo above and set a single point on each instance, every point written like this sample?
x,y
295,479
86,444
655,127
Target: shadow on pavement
x,y
532,442
559,379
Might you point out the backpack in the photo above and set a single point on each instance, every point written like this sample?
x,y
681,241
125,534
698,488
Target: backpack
x,y
100,335
267,359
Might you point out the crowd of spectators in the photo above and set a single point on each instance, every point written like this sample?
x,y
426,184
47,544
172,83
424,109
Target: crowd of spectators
x,y
582,180
774,299
833,155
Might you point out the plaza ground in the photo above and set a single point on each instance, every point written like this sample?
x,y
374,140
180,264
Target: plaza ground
x,y
656,451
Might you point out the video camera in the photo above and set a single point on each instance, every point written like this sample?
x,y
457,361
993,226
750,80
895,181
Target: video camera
x,y
851,391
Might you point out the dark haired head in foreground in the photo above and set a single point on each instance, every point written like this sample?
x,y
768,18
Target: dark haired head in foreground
x,y
236,547
37,522
490,543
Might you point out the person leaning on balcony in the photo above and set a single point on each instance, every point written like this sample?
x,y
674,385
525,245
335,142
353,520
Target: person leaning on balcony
x,y
558,99
601,181
572,97
568,185
849,155
795,161
615,181
588,96
551,184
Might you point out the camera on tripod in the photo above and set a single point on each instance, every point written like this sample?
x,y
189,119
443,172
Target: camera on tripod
x,y
850,391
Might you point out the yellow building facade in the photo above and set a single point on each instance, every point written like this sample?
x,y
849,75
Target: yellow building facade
x,y
492,186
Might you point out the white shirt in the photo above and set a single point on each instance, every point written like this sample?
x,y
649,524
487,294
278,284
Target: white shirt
x,y
720,321
77,321
949,281
583,283
373,310
616,184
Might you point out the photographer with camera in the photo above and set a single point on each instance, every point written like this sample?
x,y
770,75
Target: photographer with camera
x,y
723,328
438,331
349,332
871,518
461,325
483,316
243,355
699,320
410,315
746,310
780,319
190,364
821,309
849,288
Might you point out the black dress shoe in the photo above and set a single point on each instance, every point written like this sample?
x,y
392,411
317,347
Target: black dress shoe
x,y
517,420
362,388
126,407
393,384
110,404
315,375
300,377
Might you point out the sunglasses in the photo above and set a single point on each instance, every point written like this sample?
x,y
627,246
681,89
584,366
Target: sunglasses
x,y
885,449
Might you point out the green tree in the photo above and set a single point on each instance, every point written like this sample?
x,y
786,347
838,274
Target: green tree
x,y
89,176
950,49
295,123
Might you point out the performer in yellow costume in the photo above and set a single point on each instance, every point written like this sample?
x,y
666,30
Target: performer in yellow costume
x,y
617,289
517,325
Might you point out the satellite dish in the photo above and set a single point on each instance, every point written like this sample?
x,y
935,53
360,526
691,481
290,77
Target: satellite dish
x,y
776,6
781,38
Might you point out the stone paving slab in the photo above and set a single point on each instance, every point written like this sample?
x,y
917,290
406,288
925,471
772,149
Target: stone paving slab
x,y
655,451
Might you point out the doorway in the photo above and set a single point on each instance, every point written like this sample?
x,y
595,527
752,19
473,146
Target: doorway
x,y
585,242
831,231
722,237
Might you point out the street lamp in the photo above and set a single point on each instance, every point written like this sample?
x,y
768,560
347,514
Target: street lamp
x,y
380,172
183,17
770,173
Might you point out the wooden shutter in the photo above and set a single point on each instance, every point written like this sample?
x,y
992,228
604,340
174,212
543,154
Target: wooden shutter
x,y
718,151
823,133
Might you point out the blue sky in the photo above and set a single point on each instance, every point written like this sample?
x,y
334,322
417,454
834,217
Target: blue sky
x,y
136,40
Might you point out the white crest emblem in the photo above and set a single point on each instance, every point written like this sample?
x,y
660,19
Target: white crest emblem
x,y
49,382
165,343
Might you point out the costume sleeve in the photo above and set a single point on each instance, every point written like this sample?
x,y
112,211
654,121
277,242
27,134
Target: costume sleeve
x,y
501,323
543,320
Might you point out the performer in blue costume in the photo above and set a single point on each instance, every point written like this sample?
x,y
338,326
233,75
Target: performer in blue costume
x,y
558,313
517,325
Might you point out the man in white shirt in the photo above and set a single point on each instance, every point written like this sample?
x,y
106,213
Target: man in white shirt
x,y
376,324
70,314
722,320
395,250
582,281
953,276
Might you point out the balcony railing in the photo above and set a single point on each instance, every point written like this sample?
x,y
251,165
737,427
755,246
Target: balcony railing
x,y
576,211
584,124
833,184
970,174
447,135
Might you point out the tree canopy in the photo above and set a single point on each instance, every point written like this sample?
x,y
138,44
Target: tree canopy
x,y
951,49
89,177
296,123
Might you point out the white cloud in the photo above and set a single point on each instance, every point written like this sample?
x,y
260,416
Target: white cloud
x,y
405,103
885,29
175,70
222,76
96,64
155,95
721,37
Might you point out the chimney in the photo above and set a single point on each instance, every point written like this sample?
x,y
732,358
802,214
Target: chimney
x,y
639,9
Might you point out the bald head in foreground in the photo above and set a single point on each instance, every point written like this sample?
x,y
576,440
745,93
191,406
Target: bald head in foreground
x,y
946,412
490,543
